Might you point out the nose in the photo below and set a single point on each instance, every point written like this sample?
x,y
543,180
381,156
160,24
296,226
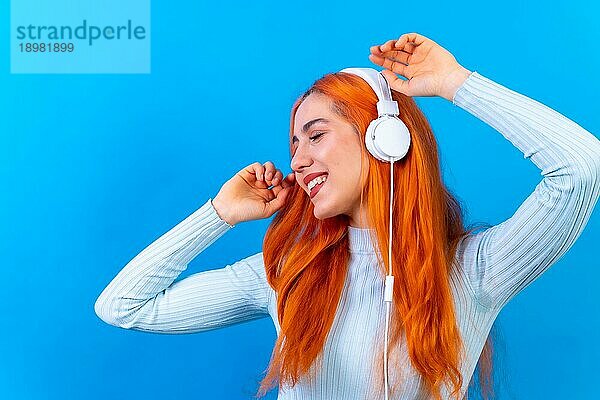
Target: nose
x,y
300,160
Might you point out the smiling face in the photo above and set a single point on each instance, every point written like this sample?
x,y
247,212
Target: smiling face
x,y
323,141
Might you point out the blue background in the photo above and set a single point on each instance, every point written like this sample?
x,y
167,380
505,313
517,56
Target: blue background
x,y
94,168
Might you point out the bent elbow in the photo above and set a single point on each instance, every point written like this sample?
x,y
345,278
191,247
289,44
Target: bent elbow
x,y
591,170
589,177
110,310
103,310
118,311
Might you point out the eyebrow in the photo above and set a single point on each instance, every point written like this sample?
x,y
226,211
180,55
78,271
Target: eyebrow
x,y
310,123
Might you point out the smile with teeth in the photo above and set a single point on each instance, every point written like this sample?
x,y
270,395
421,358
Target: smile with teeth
x,y
316,181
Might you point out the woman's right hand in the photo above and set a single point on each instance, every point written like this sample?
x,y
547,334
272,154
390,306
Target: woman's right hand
x,y
247,196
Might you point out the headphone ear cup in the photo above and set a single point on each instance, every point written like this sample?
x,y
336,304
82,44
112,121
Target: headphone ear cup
x,y
369,140
387,136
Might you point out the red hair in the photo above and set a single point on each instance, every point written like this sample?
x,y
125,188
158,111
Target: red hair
x,y
306,259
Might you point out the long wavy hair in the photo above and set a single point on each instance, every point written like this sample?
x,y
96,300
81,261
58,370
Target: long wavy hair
x,y
306,259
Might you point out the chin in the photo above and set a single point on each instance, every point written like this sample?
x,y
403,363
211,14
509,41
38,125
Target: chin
x,y
323,206
321,212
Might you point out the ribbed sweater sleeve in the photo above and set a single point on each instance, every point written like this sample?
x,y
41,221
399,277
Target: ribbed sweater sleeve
x,y
145,296
501,261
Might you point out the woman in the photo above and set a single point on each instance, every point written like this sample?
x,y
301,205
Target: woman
x,y
320,275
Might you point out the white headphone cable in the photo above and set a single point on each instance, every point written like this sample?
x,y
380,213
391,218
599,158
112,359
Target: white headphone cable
x,y
389,282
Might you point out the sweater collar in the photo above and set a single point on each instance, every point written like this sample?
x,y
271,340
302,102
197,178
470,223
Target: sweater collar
x,y
360,240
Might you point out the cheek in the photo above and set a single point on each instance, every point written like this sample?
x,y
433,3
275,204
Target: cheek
x,y
360,177
347,175
347,165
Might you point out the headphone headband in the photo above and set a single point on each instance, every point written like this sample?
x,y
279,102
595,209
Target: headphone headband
x,y
385,105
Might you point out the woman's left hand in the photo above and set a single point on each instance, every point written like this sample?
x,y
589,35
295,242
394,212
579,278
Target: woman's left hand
x,y
431,69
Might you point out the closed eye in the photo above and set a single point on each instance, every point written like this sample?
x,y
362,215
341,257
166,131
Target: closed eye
x,y
317,135
314,137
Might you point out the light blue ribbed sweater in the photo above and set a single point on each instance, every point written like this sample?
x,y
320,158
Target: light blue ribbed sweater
x,y
492,265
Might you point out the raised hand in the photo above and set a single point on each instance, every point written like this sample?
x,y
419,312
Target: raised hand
x,y
430,69
255,192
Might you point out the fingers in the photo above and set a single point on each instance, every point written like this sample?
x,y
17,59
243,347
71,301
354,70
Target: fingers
x,y
281,193
387,46
279,200
269,170
392,47
407,40
261,172
398,67
396,55
276,177
289,181
393,55
399,85
270,175
251,173
396,59
401,48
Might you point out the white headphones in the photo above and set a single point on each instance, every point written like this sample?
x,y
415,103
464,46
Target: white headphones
x,y
387,136
387,139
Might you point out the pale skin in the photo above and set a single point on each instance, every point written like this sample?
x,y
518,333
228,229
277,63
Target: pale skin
x,y
259,190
